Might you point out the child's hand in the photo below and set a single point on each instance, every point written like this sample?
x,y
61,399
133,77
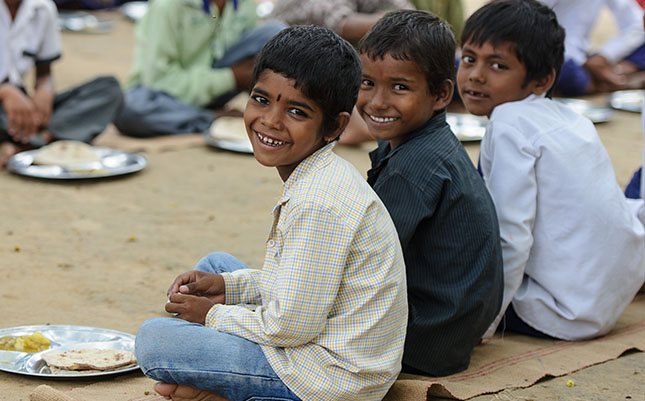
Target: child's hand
x,y
189,307
43,101
605,75
202,284
21,111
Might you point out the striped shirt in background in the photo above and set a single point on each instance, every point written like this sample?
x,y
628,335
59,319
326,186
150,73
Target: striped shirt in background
x,y
332,305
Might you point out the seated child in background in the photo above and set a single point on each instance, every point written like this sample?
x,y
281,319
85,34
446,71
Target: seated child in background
x,y
573,245
325,317
30,38
191,56
444,216
617,65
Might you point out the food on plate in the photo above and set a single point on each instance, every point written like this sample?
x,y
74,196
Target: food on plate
x,y
229,129
90,359
67,154
35,342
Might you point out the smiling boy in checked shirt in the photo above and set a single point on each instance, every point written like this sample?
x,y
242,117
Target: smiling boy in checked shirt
x,y
325,318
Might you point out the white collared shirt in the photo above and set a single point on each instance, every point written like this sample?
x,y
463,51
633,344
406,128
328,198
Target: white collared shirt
x,y
578,18
573,246
32,37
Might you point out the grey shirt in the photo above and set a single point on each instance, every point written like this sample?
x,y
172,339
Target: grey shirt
x,y
330,13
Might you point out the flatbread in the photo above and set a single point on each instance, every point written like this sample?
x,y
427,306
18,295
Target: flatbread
x,y
89,359
229,129
238,102
66,154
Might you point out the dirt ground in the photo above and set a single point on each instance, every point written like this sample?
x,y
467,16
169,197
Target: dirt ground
x,y
102,253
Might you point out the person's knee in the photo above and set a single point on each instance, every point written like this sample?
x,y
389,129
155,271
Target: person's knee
x,y
148,346
213,262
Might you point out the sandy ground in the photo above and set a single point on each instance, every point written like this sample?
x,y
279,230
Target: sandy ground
x,y
102,253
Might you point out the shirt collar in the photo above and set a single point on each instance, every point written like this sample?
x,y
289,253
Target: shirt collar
x,y
384,151
316,160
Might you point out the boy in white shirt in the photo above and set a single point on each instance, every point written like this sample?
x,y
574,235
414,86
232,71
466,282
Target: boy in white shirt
x,y
30,40
572,244
617,65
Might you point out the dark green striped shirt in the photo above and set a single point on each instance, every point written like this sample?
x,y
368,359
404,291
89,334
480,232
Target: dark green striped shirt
x,y
448,229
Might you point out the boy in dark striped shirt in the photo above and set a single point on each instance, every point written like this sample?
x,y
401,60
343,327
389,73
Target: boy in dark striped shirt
x,y
443,213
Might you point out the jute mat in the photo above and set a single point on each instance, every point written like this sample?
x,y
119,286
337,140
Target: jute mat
x,y
507,362
515,361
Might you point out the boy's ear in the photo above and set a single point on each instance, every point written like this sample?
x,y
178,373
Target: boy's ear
x,y
343,120
545,83
445,95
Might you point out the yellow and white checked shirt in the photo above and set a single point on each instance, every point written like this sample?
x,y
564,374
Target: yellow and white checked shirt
x,y
332,303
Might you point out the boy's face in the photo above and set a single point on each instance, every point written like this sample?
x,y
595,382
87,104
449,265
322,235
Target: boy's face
x,y
394,99
489,76
284,126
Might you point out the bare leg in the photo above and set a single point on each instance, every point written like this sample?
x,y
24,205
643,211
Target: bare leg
x,y
171,391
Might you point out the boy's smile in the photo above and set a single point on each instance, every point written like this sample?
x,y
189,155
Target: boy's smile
x,y
489,76
283,125
394,99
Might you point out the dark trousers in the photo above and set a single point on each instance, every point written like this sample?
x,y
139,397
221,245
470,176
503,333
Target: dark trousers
x,y
512,322
78,114
148,112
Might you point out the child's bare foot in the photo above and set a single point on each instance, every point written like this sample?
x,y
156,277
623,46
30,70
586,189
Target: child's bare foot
x,y
175,392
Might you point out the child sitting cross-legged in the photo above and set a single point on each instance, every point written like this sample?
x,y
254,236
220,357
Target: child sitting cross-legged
x,y
325,317
573,245
443,213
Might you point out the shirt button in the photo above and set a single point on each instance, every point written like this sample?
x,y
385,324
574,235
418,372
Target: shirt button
x,y
271,243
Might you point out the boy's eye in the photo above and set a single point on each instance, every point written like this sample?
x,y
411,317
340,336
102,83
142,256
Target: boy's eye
x,y
260,99
467,59
297,112
399,87
367,82
499,66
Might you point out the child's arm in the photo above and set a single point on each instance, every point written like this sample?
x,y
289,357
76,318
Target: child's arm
x,y
304,288
628,19
508,166
43,97
21,112
162,68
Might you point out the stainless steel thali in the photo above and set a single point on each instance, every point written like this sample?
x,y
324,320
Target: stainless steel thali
x,y
229,133
627,100
113,162
63,337
597,114
467,127
233,146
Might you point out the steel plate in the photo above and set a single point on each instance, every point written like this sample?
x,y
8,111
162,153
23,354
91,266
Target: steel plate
x,y
597,114
629,100
467,127
63,337
229,133
134,10
113,162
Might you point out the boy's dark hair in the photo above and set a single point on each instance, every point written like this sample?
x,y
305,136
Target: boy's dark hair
x,y
416,36
529,26
326,68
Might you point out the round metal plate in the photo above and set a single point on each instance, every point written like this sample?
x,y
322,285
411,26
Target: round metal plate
x,y
63,337
113,162
628,100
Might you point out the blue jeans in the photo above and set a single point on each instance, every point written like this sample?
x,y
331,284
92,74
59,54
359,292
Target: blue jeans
x,y
172,350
